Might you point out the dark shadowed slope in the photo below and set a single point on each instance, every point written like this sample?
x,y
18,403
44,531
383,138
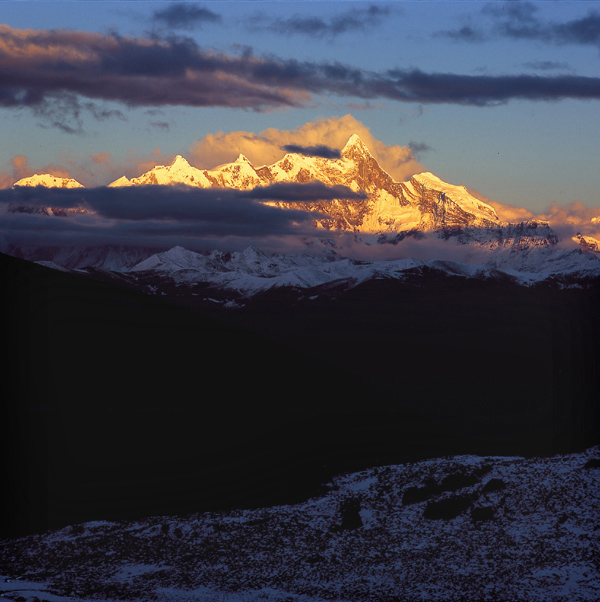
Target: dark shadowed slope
x,y
122,405
119,404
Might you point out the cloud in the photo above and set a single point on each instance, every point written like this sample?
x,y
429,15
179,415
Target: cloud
x,y
184,15
366,106
572,219
50,71
20,168
100,158
579,31
547,65
266,148
566,220
483,90
356,19
163,125
519,21
508,213
313,151
159,215
419,147
466,33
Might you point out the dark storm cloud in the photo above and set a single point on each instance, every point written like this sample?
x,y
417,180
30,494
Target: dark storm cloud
x,y
49,72
185,15
160,213
519,21
313,151
355,19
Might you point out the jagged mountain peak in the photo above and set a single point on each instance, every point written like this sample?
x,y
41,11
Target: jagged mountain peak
x,y
180,162
122,181
588,244
355,146
242,159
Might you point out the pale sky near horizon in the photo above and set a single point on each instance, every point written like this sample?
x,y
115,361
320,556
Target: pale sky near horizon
x,y
503,97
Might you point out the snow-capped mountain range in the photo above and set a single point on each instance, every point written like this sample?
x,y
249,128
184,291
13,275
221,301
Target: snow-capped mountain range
x,y
423,203
424,208
252,270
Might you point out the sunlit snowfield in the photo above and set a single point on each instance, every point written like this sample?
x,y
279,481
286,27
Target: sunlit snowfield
x,y
455,528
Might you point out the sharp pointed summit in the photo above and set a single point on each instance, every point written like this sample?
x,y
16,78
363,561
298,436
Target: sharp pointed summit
x,y
355,146
180,161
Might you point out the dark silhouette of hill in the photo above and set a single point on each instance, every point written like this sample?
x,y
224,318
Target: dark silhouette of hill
x,y
491,366
118,404
121,405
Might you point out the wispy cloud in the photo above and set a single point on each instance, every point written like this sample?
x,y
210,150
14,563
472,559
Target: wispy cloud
x,y
102,158
162,125
547,65
185,15
419,147
356,19
520,21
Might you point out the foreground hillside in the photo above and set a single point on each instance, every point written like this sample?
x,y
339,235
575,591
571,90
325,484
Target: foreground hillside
x,y
455,528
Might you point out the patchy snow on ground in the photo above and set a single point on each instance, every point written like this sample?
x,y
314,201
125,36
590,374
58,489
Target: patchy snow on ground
x,y
455,528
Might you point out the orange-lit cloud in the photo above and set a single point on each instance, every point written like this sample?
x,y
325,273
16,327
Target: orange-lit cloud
x,y
573,218
21,169
103,158
266,148
567,220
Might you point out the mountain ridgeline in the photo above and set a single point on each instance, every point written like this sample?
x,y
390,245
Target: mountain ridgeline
x,y
423,203
424,208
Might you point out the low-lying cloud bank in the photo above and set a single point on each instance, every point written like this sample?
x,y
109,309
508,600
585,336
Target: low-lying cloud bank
x,y
227,219
159,216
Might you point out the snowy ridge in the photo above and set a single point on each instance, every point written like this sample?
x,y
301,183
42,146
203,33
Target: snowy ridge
x,y
424,208
588,243
251,271
454,528
425,203
48,181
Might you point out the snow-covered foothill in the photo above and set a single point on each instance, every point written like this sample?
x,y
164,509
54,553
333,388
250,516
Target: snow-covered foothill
x,y
455,528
